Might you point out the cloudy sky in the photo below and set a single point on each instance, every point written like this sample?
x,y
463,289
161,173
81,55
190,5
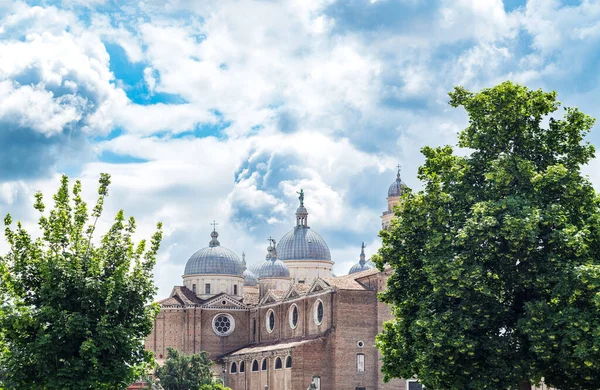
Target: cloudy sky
x,y
222,110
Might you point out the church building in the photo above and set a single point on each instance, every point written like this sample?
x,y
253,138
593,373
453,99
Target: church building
x,y
286,322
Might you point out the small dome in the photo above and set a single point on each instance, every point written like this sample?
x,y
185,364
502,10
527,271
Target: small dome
x,y
271,267
250,279
214,259
398,187
362,265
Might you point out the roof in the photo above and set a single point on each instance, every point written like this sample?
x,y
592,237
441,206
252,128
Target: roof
x,y
251,298
181,296
302,287
171,301
362,274
267,347
346,282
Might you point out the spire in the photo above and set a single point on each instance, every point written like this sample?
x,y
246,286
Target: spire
x,y
244,261
362,254
214,242
398,174
301,213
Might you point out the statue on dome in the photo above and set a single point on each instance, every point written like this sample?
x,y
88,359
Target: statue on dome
x,y
301,197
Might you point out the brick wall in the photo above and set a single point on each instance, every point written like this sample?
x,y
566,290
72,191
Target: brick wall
x,y
354,322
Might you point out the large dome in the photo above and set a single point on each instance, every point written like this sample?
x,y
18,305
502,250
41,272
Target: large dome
x,y
301,243
214,259
397,188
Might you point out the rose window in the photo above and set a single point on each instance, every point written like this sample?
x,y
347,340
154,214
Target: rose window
x,y
223,324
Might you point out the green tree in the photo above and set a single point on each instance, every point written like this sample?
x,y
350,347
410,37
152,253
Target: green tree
x,y
186,372
496,280
73,314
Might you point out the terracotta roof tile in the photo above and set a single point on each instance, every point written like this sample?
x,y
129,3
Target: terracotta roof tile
x,y
251,298
302,288
186,295
278,294
171,301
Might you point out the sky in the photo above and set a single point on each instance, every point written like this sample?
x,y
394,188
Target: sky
x,y
223,110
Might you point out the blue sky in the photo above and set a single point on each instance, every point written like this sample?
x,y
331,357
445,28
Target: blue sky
x,y
222,110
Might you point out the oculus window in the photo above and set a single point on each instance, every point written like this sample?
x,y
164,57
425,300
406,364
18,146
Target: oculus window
x,y
293,316
270,320
318,312
223,324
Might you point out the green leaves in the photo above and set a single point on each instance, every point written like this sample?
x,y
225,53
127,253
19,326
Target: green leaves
x,y
186,372
495,261
74,315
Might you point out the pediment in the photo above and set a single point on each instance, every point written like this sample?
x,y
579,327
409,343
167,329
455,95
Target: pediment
x,y
223,302
292,293
268,298
318,286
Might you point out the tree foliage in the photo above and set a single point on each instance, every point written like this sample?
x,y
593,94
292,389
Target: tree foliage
x,y
73,314
187,372
496,280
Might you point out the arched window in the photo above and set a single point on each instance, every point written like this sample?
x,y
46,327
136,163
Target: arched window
x,y
264,365
318,312
233,368
278,363
255,366
288,362
242,366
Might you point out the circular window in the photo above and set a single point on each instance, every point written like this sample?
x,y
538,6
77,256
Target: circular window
x,y
318,312
360,344
270,320
223,324
293,314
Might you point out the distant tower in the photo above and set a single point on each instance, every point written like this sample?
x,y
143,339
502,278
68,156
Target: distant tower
x,y
396,189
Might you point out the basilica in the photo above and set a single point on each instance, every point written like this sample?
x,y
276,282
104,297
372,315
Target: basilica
x,y
286,322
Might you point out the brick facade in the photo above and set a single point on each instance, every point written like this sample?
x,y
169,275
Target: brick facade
x,y
329,350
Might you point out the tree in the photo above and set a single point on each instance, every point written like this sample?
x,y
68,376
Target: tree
x,y
496,280
186,372
73,314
